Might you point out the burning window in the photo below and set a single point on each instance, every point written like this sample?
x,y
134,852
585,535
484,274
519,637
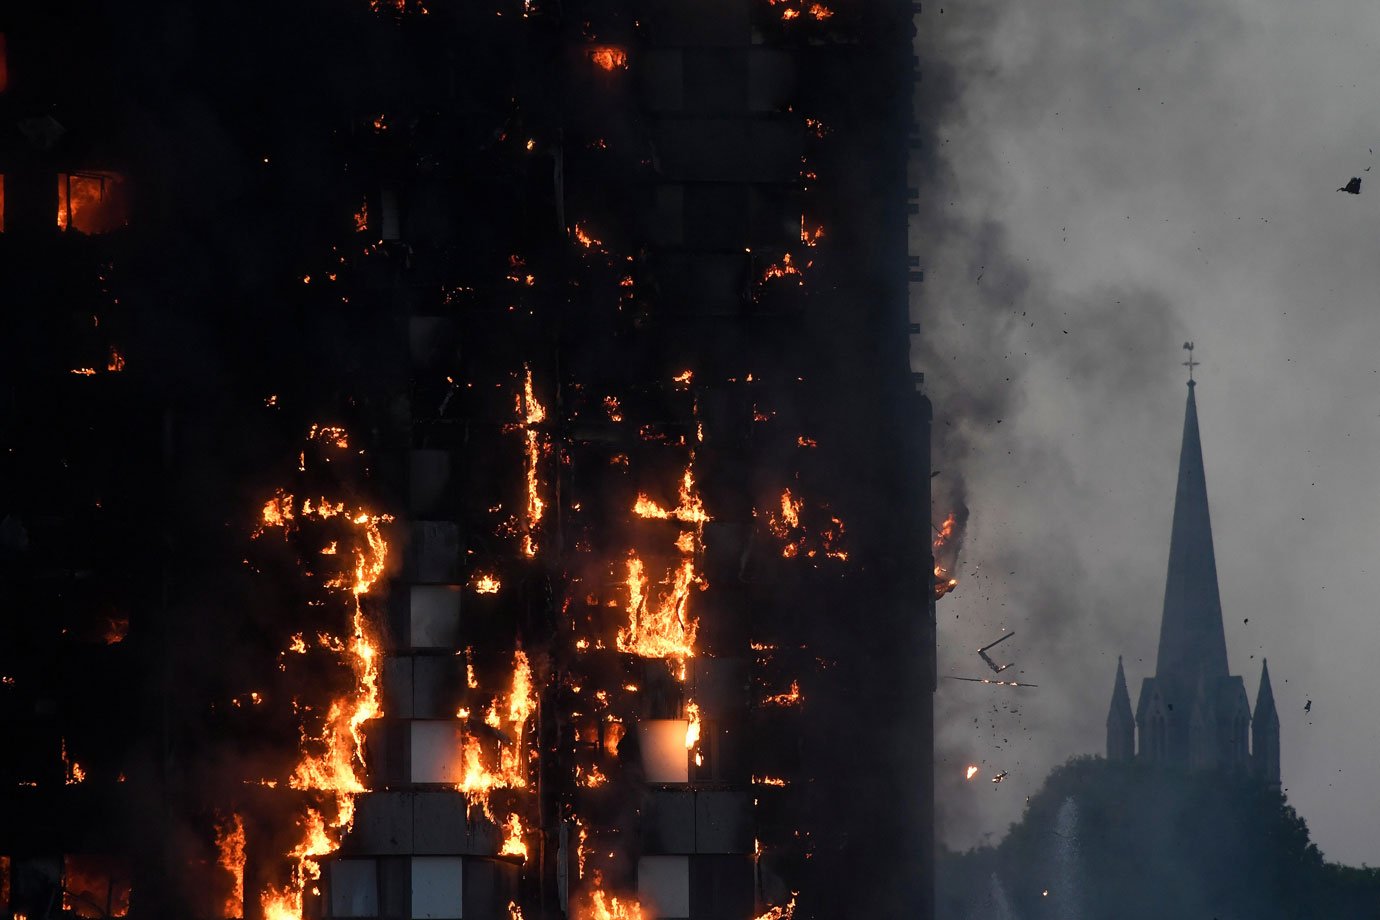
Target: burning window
x,y
664,755
95,886
609,57
91,202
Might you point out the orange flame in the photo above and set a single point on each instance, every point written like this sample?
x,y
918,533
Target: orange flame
x,y
510,769
690,509
692,725
783,268
484,583
791,697
602,906
90,203
530,413
73,771
332,761
660,627
513,844
781,912
230,857
116,629
90,882
943,582
584,239
609,58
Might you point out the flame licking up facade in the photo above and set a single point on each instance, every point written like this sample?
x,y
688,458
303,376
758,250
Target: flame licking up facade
x,y
945,547
523,519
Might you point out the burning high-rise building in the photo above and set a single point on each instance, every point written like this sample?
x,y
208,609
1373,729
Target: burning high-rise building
x,y
463,463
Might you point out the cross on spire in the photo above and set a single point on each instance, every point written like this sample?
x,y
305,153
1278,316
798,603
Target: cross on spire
x,y
1190,363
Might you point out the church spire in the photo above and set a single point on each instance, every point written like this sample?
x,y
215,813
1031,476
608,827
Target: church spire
x,y
1121,724
1265,730
1193,644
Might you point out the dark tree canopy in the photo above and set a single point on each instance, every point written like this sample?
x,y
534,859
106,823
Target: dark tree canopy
x,y
1137,842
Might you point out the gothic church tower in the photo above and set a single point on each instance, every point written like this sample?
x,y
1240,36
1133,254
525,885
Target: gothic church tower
x,y
1193,712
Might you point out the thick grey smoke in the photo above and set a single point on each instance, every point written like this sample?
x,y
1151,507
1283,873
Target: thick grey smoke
x,y
1100,183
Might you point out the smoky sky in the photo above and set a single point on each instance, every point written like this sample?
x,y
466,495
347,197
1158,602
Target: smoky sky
x,y
1099,183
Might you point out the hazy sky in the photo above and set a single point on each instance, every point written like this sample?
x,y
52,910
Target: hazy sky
x,y
1117,178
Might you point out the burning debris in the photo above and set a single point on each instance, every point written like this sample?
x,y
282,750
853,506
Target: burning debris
x,y
986,680
987,658
947,540
999,777
970,772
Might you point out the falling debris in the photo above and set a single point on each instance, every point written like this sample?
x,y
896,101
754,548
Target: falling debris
x,y
999,777
990,663
988,680
1308,706
1353,187
971,772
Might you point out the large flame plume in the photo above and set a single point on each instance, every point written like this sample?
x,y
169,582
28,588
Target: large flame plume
x,y
332,766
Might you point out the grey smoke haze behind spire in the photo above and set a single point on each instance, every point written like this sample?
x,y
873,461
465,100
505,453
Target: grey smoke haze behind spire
x,y
1123,179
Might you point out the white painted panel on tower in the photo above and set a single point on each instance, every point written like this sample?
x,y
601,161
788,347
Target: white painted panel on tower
x,y
436,751
438,888
434,613
663,886
665,758
354,888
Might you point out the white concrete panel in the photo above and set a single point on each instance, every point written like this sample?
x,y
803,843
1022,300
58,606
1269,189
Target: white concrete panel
x,y
435,749
354,888
434,616
438,888
663,886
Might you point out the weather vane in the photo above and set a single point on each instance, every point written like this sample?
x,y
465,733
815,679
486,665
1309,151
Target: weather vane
x,y
1190,363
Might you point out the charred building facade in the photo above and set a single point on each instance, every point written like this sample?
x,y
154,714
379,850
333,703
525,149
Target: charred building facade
x,y
462,461
1193,713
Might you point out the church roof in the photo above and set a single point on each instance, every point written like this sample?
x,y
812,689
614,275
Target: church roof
x,y
1193,643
